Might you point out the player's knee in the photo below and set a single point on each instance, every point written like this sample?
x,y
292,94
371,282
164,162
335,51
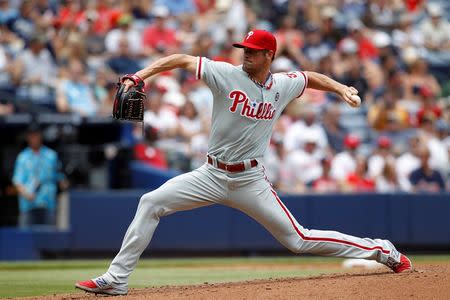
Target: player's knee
x,y
296,247
150,202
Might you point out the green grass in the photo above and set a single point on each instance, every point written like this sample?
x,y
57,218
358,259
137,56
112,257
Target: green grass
x,y
54,277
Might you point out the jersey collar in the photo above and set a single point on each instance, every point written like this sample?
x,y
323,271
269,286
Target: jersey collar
x,y
266,85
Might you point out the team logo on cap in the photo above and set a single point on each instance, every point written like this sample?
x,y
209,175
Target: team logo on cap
x,y
249,35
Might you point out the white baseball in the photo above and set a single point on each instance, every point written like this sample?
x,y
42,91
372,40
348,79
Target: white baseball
x,y
356,99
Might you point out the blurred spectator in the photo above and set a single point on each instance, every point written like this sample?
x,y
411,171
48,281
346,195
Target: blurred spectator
x,y
189,125
429,108
331,34
178,7
24,25
288,34
106,100
302,166
382,14
406,35
315,47
363,74
425,179
36,71
74,94
158,37
418,76
7,12
161,117
325,183
122,61
273,160
106,15
307,126
408,162
439,158
124,33
9,77
147,152
344,163
359,181
358,32
436,34
386,181
382,155
187,33
71,13
388,115
36,177
333,129
354,75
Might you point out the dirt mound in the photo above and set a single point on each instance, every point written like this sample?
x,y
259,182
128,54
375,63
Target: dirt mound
x,y
426,282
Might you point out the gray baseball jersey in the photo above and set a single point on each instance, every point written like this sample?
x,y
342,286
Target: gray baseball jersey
x,y
244,113
242,120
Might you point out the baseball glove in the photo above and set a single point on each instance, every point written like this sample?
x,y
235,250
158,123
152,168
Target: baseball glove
x,y
129,105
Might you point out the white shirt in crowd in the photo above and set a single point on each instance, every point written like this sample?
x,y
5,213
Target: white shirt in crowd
x,y
404,165
342,165
162,120
376,164
133,38
303,166
436,34
439,159
296,133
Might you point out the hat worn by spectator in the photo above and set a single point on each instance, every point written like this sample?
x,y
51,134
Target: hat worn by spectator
x,y
258,40
310,137
348,46
384,142
352,141
174,98
160,11
381,39
426,91
125,20
328,12
434,10
355,24
282,64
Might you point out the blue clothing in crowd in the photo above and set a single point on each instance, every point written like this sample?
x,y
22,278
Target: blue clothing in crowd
x,y
80,97
38,173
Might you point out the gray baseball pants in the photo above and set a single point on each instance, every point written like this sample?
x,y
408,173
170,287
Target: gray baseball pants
x,y
248,191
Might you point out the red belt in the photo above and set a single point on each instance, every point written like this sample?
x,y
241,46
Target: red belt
x,y
238,167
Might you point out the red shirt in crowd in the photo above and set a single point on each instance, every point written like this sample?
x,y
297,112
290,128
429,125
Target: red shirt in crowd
x,y
151,155
159,38
360,184
367,49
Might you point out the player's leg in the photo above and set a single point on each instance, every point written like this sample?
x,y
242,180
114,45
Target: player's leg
x,y
191,190
257,199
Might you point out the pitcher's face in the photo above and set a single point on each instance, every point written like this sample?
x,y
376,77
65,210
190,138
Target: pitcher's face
x,y
254,60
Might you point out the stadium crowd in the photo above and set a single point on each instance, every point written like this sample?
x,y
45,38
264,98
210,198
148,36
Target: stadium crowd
x,y
66,56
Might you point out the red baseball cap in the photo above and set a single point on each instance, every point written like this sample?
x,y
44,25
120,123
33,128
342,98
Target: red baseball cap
x,y
426,91
259,40
352,141
384,142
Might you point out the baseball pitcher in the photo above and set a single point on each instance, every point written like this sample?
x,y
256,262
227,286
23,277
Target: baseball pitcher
x,y
248,99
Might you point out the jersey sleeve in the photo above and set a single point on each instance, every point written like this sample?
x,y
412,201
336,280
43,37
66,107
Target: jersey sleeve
x,y
213,73
295,84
